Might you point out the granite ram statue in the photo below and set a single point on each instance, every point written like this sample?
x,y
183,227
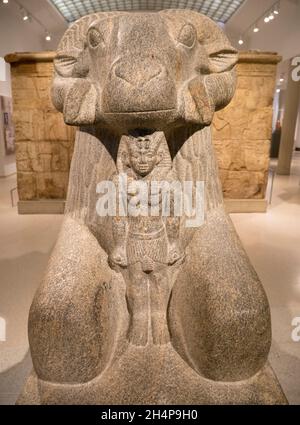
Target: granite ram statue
x,y
138,308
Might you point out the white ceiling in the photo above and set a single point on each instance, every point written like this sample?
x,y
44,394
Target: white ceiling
x,y
19,36
282,35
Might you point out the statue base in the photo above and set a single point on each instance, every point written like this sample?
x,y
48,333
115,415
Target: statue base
x,y
154,375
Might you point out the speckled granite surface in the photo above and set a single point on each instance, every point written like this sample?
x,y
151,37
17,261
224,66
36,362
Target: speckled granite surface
x,y
217,315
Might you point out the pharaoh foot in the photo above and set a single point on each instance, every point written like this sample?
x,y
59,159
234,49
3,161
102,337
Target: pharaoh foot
x,y
160,331
138,331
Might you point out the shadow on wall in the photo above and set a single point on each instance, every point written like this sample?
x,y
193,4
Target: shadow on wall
x,y
13,379
20,277
287,369
271,264
291,195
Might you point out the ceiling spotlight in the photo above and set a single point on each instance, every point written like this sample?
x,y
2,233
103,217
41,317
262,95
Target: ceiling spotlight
x,y
281,79
25,15
271,17
5,1
241,41
278,91
48,37
267,19
255,29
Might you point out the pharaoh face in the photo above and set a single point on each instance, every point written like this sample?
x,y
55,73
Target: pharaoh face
x,y
143,156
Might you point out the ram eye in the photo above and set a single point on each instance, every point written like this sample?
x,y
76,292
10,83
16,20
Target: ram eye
x,y
187,35
95,38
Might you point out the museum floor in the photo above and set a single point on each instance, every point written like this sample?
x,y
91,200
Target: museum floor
x,y
271,241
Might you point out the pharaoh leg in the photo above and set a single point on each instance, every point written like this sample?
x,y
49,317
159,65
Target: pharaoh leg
x,y
138,305
160,290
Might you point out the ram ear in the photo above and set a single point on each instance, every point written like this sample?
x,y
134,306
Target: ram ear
x,y
221,82
221,55
70,64
71,92
222,58
214,89
71,52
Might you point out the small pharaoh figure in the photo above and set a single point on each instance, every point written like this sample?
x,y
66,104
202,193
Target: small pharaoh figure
x,y
146,245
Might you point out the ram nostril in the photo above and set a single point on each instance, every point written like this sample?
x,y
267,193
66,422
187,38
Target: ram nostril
x,y
138,74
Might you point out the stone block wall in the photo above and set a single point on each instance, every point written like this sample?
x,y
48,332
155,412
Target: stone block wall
x,y
44,144
242,131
